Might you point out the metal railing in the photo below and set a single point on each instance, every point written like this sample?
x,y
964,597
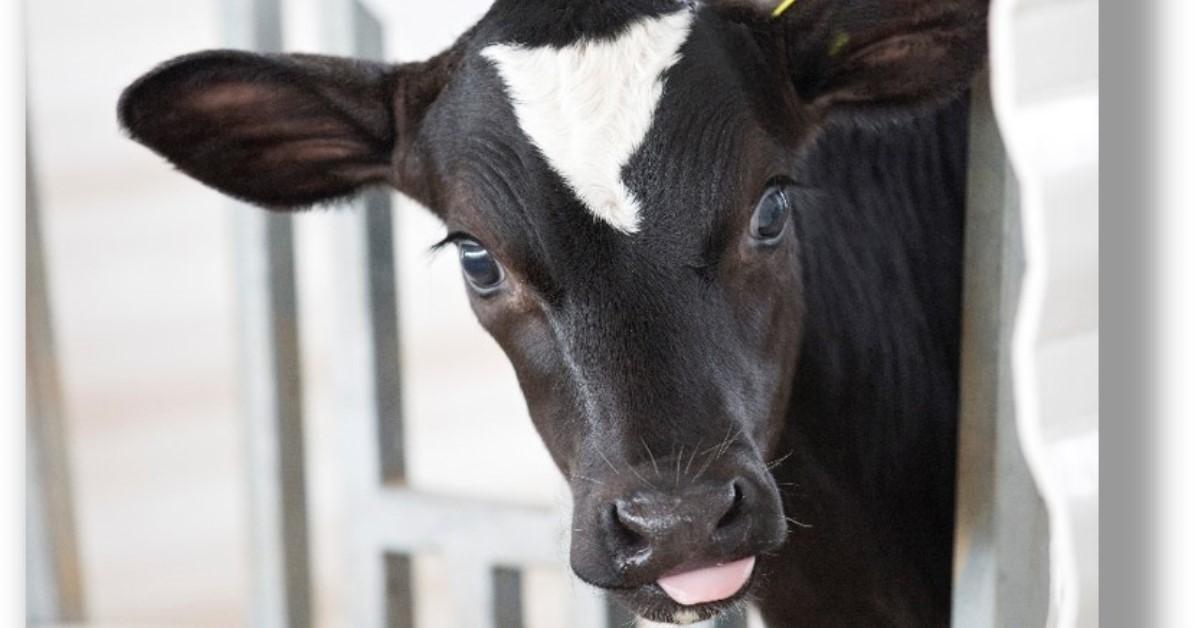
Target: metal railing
x,y
53,582
1001,571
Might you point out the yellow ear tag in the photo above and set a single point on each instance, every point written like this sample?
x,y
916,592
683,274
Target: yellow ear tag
x,y
783,6
839,43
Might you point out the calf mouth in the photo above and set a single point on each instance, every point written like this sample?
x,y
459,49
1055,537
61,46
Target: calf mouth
x,y
678,554
695,594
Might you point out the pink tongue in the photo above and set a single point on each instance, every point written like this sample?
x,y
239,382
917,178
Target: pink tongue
x,y
709,584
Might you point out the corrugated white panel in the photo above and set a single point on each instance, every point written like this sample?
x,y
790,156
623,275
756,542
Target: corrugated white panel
x,y
1045,80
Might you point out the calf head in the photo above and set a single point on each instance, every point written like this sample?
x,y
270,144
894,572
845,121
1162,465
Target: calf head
x,y
616,177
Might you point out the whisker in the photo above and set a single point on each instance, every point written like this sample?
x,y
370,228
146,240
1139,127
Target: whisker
x,y
719,450
654,462
728,443
716,446
639,476
691,459
798,523
778,461
678,461
607,462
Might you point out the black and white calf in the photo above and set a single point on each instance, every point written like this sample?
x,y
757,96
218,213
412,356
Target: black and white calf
x,y
721,250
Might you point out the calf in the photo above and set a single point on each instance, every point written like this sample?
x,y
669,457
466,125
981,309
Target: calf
x,y
720,248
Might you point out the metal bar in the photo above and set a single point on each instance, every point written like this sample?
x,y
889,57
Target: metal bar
x,y
385,323
272,408
399,591
506,598
1001,570
362,239
413,522
272,394
378,592
617,615
383,295
54,585
374,588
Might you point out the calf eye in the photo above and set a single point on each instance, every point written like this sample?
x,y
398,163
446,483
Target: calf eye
x,y
771,216
483,272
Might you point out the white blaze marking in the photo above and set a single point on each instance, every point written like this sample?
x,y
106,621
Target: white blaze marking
x,y
588,106
686,617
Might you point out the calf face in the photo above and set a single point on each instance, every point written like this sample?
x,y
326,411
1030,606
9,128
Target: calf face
x,y
615,177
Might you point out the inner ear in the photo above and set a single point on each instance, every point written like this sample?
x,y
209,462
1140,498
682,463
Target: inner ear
x,y
872,55
282,131
904,63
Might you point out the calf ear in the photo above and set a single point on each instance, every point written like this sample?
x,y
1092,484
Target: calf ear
x,y
285,131
872,55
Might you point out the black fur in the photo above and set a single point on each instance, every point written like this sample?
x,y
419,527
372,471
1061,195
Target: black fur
x,y
874,410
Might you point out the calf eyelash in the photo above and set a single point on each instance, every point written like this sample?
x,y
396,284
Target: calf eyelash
x,y
451,238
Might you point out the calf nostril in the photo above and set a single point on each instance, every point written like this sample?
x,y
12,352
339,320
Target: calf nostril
x,y
735,505
627,531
